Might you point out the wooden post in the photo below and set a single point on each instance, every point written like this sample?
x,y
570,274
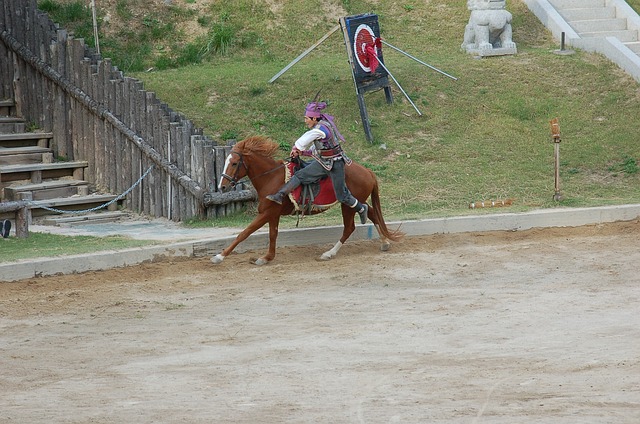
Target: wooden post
x,y
22,214
555,135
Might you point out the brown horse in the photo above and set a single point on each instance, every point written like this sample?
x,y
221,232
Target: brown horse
x,y
253,157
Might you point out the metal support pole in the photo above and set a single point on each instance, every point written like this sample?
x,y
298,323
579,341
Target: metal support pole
x,y
303,54
418,60
400,87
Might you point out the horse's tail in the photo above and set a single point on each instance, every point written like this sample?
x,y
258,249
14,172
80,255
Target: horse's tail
x,y
395,235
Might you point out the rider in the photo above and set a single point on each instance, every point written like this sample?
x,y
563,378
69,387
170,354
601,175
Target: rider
x,y
322,142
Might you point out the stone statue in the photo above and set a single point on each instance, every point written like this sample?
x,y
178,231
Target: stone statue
x,y
488,32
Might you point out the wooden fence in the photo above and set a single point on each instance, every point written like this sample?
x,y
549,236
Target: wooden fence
x,y
98,114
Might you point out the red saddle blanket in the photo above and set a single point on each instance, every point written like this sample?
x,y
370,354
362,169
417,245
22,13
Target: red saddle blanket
x,y
311,198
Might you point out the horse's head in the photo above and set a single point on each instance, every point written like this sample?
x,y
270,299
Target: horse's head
x,y
254,152
234,169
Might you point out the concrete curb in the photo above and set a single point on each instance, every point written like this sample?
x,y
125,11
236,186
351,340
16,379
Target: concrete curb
x,y
547,218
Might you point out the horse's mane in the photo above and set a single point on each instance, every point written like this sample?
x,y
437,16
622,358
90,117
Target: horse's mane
x,y
259,145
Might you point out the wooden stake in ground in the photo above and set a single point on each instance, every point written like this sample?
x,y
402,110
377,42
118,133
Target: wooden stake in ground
x,y
555,135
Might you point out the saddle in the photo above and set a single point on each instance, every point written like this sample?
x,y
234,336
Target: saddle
x,y
311,198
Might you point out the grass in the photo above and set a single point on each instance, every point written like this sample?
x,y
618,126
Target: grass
x,y
42,245
485,136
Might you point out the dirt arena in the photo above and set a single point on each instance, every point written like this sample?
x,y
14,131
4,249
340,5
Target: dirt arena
x,y
539,326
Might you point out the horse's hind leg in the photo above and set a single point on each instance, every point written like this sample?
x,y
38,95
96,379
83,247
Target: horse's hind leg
x,y
385,243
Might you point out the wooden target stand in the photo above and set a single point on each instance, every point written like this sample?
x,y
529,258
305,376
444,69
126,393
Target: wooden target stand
x,y
362,40
358,32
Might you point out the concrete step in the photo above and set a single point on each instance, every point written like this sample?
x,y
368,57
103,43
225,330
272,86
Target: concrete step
x,y
47,189
624,36
634,46
577,4
584,14
599,25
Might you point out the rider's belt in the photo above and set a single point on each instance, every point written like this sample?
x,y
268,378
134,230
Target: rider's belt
x,y
331,153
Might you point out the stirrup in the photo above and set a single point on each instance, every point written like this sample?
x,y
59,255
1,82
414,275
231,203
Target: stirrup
x,y
276,198
363,213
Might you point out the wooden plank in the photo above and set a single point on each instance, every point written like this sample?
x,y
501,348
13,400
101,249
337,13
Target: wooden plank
x,y
6,70
7,151
48,189
30,167
118,142
137,155
174,192
26,136
128,115
92,84
152,131
98,79
21,214
62,105
166,178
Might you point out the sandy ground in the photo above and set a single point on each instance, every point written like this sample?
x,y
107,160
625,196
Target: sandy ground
x,y
539,326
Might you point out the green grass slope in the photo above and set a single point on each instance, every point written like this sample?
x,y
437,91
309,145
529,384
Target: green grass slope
x,y
484,136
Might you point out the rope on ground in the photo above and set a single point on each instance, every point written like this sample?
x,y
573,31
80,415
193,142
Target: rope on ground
x,y
105,204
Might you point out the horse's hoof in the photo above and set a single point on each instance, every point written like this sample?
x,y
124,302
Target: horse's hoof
x,y
385,246
217,259
261,261
325,257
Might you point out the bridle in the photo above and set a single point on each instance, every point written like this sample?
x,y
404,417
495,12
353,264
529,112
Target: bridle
x,y
234,180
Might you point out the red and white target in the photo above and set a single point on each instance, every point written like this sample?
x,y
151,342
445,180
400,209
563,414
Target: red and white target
x,y
363,37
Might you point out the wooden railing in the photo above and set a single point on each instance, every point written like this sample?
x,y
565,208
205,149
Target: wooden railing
x,y
98,114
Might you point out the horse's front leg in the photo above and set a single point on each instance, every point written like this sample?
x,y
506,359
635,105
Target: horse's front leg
x,y
256,224
273,236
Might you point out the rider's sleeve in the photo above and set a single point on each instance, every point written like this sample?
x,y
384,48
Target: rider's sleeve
x,y
306,140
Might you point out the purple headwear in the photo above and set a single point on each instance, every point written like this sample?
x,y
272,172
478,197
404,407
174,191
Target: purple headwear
x,y
313,110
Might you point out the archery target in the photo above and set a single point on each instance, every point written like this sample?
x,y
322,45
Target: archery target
x,y
363,36
362,30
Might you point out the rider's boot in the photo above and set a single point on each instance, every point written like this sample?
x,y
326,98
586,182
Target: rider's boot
x,y
362,209
284,190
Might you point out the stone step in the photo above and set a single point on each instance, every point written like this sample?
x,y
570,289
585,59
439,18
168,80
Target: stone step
x,y
47,189
577,4
584,14
624,36
599,25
